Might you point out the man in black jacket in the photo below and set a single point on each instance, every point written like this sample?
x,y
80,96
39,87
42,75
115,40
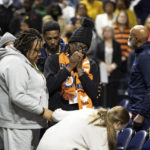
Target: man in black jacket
x,y
52,42
72,79
139,83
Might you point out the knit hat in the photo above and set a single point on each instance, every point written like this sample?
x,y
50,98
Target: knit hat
x,y
84,33
7,37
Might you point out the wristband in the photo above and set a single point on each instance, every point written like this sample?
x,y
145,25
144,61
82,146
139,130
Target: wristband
x,y
80,72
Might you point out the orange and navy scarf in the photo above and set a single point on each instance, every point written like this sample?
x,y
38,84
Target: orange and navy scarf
x,y
72,87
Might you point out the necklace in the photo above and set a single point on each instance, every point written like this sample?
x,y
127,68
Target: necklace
x,y
36,68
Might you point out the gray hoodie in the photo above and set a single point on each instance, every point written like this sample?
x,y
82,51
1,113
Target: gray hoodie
x,y
23,92
7,37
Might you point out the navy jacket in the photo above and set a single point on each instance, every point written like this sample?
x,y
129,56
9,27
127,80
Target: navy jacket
x,y
139,83
44,56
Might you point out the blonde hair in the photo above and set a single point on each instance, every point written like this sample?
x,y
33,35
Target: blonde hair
x,y
108,118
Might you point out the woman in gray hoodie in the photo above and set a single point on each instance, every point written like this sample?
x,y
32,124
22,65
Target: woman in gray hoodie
x,y
23,93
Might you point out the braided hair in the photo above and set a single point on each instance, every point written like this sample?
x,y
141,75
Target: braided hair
x,y
25,40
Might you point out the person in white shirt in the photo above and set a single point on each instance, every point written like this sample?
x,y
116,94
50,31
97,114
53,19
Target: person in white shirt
x,y
106,19
84,129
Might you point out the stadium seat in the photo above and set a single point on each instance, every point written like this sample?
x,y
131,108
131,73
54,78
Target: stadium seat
x,y
146,146
138,140
124,138
124,103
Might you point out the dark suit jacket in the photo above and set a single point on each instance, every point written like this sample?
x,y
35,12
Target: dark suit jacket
x,y
116,58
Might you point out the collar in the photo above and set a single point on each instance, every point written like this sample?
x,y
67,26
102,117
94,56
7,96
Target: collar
x,y
143,47
61,48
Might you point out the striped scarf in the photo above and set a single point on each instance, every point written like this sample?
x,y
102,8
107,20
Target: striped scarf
x,y
72,87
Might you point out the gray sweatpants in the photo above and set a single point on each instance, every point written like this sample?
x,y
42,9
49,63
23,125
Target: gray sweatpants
x,y
14,139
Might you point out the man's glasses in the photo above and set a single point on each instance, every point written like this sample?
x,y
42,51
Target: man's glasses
x,y
83,49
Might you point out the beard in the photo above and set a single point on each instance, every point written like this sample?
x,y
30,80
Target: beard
x,y
52,49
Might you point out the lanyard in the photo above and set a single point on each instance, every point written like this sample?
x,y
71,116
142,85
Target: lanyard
x,y
36,68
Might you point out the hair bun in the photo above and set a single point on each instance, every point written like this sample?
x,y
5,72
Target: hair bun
x,y
87,22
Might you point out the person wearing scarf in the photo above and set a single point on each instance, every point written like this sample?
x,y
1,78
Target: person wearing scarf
x,y
72,78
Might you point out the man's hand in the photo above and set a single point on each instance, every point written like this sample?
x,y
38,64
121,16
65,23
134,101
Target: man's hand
x,y
138,119
47,114
138,122
79,65
74,60
123,58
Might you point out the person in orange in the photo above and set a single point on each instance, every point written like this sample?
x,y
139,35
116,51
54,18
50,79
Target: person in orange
x,y
94,7
72,78
122,31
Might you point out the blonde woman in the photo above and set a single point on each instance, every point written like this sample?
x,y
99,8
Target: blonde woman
x,y
85,129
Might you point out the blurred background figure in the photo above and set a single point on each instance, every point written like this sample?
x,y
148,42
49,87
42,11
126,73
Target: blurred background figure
x,y
108,51
67,11
6,13
25,24
94,7
108,18
122,31
68,32
39,7
26,11
73,3
17,3
81,12
54,13
142,10
124,5
147,25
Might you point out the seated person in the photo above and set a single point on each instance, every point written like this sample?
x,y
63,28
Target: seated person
x,y
72,79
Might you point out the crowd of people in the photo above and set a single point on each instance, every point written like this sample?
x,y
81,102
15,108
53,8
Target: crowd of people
x,y
51,53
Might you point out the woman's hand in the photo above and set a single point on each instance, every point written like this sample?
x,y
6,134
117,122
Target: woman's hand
x,y
47,114
111,67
